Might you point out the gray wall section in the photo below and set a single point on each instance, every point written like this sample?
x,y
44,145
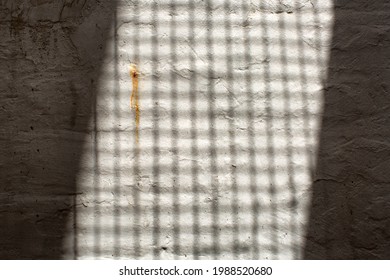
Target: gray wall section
x,y
350,212
50,53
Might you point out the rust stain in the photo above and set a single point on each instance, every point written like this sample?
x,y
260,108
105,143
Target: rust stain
x,y
134,99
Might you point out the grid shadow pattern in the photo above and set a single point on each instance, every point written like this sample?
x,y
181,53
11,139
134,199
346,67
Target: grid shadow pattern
x,y
230,99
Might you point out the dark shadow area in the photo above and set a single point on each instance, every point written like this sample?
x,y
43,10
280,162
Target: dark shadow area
x,y
50,58
350,211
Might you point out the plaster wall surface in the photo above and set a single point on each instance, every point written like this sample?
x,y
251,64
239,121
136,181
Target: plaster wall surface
x,y
220,161
230,96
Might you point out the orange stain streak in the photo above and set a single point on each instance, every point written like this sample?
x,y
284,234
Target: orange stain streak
x,y
134,100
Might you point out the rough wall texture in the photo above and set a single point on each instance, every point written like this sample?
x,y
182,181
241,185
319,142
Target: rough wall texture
x,y
50,54
230,96
350,213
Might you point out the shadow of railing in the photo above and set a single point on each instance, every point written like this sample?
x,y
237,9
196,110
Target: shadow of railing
x,y
229,103
227,129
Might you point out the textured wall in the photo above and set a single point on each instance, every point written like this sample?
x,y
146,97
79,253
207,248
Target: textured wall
x,y
50,54
230,100
242,106
350,212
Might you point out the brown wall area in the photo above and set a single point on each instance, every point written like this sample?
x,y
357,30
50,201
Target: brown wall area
x,y
350,212
50,56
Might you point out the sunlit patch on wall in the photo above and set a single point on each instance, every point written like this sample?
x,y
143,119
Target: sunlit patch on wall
x,y
231,106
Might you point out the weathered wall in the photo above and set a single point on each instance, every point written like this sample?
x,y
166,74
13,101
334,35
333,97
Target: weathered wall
x,y
231,98
50,53
350,212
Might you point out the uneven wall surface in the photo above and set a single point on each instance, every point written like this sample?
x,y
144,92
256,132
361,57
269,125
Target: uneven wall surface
x,y
350,209
229,96
192,129
50,53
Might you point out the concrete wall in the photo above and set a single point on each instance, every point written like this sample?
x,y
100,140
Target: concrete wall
x,y
350,209
230,98
231,133
51,54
